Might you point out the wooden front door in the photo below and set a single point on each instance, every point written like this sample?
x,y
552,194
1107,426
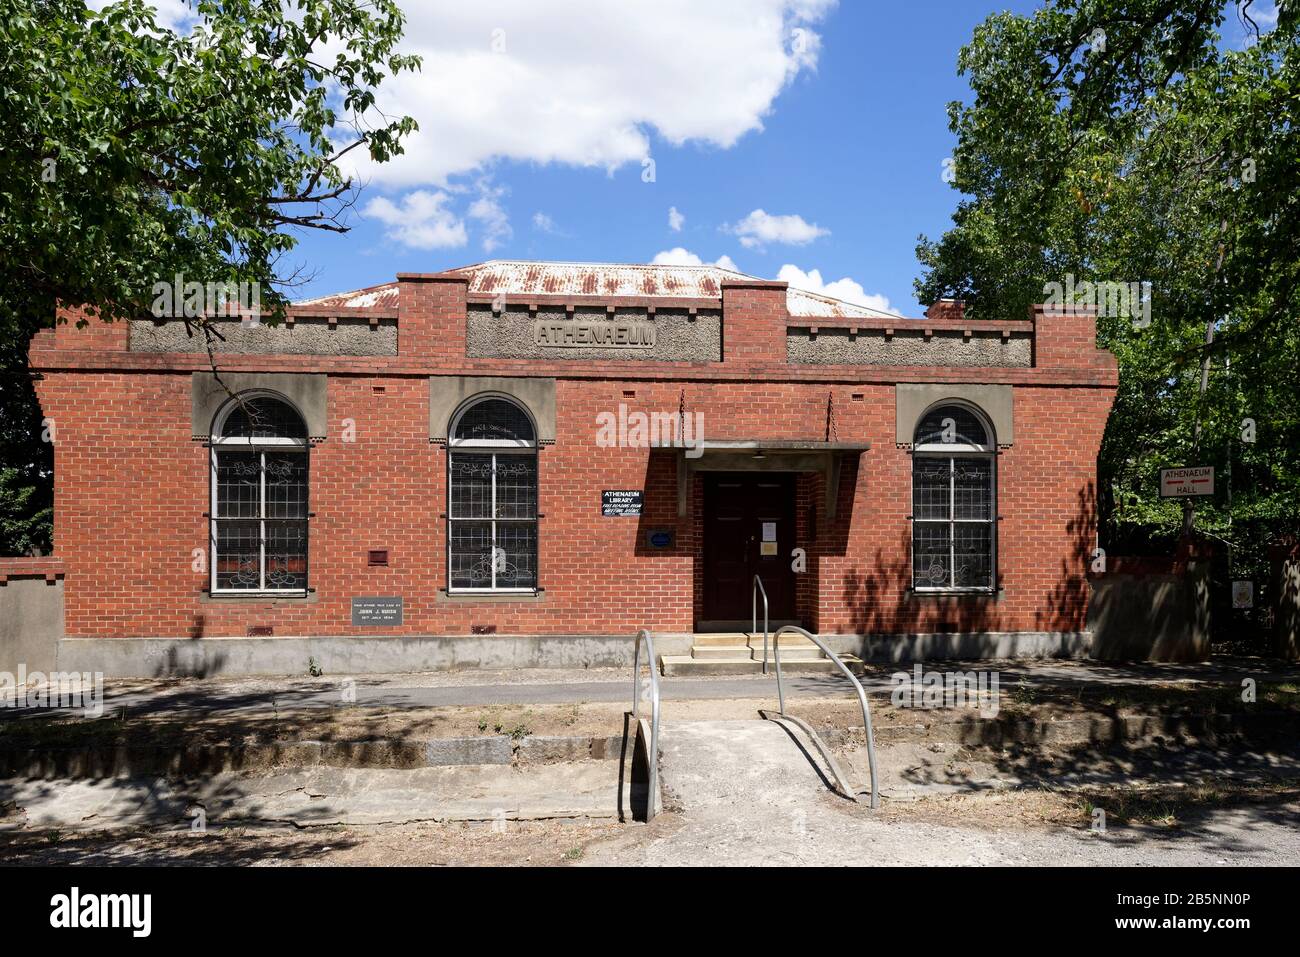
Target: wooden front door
x,y
748,531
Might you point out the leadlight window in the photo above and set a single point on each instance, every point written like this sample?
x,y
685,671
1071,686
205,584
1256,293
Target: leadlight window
x,y
259,498
954,502
492,499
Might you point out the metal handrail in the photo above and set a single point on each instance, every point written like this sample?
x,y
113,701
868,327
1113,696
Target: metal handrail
x,y
753,607
653,754
843,781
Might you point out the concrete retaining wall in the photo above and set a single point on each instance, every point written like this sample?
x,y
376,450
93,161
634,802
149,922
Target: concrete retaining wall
x,y
202,657
31,613
1151,616
970,646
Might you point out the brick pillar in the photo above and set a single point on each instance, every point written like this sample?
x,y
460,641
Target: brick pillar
x,y
96,334
1065,337
431,315
754,317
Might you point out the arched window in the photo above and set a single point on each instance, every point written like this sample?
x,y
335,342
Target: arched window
x,y
259,497
954,502
492,499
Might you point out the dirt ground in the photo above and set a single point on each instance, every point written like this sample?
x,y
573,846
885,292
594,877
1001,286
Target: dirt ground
x,y
508,843
1164,815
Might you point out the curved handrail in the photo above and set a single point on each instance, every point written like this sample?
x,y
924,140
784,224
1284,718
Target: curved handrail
x,y
653,753
862,699
753,608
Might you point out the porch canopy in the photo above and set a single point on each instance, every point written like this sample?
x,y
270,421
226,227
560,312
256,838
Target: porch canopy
x,y
771,455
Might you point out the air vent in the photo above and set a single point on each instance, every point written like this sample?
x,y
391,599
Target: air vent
x,y
377,556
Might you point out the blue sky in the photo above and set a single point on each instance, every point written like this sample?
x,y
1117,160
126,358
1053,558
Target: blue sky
x,y
785,133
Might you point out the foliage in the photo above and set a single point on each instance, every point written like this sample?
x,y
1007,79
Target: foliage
x,y
131,154
1122,141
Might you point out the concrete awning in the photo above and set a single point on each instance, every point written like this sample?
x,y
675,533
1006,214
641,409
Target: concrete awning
x,y
765,455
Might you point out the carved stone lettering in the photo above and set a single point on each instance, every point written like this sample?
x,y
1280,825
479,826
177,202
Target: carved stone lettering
x,y
576,334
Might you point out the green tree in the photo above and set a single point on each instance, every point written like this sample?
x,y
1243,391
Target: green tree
x,y
130,154
1122,141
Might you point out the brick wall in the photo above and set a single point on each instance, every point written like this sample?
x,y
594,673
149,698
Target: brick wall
x,y
132,486
128,535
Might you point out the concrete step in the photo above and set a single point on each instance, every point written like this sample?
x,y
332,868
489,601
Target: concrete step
x,y
721,638
682,666
728,638
745,652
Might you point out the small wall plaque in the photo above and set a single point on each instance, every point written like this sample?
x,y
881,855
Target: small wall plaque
x,y
660,538
380,611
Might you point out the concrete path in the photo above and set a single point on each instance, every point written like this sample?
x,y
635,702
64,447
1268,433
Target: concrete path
x,y
746,793
237,696
321,796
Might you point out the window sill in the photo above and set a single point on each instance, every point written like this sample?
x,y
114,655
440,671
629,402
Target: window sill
x,y
244,598
956,592
490,597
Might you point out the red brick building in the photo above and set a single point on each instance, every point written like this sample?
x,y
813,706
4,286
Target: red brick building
x,y
523,463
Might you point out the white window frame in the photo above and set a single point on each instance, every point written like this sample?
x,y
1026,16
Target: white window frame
x,y
493,448
952,451
219,443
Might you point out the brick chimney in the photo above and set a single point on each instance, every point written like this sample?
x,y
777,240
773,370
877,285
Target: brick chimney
x,y
947,310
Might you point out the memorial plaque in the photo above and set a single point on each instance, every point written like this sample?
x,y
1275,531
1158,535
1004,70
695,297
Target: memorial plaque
x,y
377,612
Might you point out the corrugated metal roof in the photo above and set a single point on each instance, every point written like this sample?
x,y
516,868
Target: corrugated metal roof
x,y
380,296
524,278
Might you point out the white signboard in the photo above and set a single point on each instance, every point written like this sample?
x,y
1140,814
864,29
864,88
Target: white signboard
x,y
1188,482
1243,594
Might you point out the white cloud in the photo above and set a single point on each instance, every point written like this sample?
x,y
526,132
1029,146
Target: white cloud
x,y
679,256
675,219
760,228
488,211
543,222
586,83
174,15
422,221
846,288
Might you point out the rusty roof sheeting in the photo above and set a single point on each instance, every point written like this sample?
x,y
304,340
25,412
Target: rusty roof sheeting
x,y
524,278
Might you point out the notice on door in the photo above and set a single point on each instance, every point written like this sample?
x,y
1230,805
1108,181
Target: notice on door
x,y
625,503
1187,483
769,531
